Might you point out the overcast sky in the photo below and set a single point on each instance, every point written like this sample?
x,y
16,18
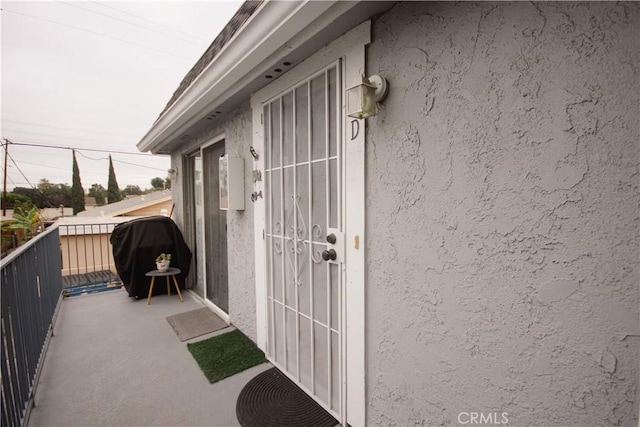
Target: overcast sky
x,y
95,75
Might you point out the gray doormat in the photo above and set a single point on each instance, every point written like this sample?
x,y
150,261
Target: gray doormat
x,y
195,323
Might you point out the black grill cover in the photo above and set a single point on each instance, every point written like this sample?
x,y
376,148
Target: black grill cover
x,y
137,243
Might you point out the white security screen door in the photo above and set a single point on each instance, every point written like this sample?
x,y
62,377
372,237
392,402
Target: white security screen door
x,y
303,164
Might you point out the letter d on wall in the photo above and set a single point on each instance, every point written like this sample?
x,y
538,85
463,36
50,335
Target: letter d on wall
x,y
355,128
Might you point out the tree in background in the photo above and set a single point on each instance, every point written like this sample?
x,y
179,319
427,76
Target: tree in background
x,y
132,190
113,192
46,194
44,185
157,183
54,195
77,192
167,183
33,194
59,194
18,201
98,192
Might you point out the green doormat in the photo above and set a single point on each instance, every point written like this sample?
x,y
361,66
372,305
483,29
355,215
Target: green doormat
x,y
225,355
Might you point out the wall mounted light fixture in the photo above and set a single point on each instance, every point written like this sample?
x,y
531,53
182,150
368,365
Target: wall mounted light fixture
x,y
362,98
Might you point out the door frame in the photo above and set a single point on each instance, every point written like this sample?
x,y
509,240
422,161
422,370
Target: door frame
x,y
351,48
201,244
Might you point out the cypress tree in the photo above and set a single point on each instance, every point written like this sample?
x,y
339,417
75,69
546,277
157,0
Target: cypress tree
x,y
113,191
77,192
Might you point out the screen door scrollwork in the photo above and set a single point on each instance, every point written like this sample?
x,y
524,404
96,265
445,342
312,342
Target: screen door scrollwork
x,y
302,128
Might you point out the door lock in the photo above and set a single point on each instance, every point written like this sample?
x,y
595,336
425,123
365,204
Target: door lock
x,y
335,246
329,255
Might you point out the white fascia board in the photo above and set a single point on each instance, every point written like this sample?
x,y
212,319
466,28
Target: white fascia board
x,y
270,28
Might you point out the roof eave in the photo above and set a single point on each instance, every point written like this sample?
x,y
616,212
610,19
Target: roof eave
x,y
142,206
268,29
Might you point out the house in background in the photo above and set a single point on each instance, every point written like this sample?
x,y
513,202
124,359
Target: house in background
x,y
155,203
90,203
471,248
87,255
47,214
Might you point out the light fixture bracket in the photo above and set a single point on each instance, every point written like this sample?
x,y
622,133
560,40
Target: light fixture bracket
x,y
381,85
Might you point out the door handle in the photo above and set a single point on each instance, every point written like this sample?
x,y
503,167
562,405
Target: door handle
x,y
331,238
329,255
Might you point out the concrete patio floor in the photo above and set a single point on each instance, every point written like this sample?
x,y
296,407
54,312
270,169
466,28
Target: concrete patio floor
x,y
114,361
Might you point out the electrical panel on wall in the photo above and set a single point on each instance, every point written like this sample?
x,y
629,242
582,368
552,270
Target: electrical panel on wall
x,y
231,183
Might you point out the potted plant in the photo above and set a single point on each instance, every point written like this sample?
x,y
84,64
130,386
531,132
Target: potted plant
x,y
162,262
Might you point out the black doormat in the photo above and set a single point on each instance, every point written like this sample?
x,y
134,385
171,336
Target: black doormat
x,y
272,399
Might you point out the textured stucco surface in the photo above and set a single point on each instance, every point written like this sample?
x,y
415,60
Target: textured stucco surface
x,y
502,214
236,126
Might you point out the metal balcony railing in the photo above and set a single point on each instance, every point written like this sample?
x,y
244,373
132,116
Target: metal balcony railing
x,y
87,258
64,260
31,289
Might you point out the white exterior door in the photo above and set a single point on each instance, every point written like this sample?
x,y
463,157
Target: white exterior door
x,y
309,306
303,207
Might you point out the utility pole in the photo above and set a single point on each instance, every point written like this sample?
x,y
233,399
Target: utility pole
x,y
4,191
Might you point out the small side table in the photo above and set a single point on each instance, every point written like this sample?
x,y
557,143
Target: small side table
x,y
171,272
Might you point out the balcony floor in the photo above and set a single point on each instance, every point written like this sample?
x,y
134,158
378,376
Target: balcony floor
x,y
114,361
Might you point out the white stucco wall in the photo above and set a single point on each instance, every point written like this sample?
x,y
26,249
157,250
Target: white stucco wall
x,y
502,214
237,129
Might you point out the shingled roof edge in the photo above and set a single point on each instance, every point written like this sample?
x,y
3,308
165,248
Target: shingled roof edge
x,y
246,10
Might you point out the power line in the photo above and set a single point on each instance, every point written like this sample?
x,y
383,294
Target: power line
x,y
141,166
43,166
48,166
8,177
84,173
64,128
33,144
78,138
27,179
20,170
79,151
129,23
119,161
40,193
92,158
62,176
149,20
95,33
